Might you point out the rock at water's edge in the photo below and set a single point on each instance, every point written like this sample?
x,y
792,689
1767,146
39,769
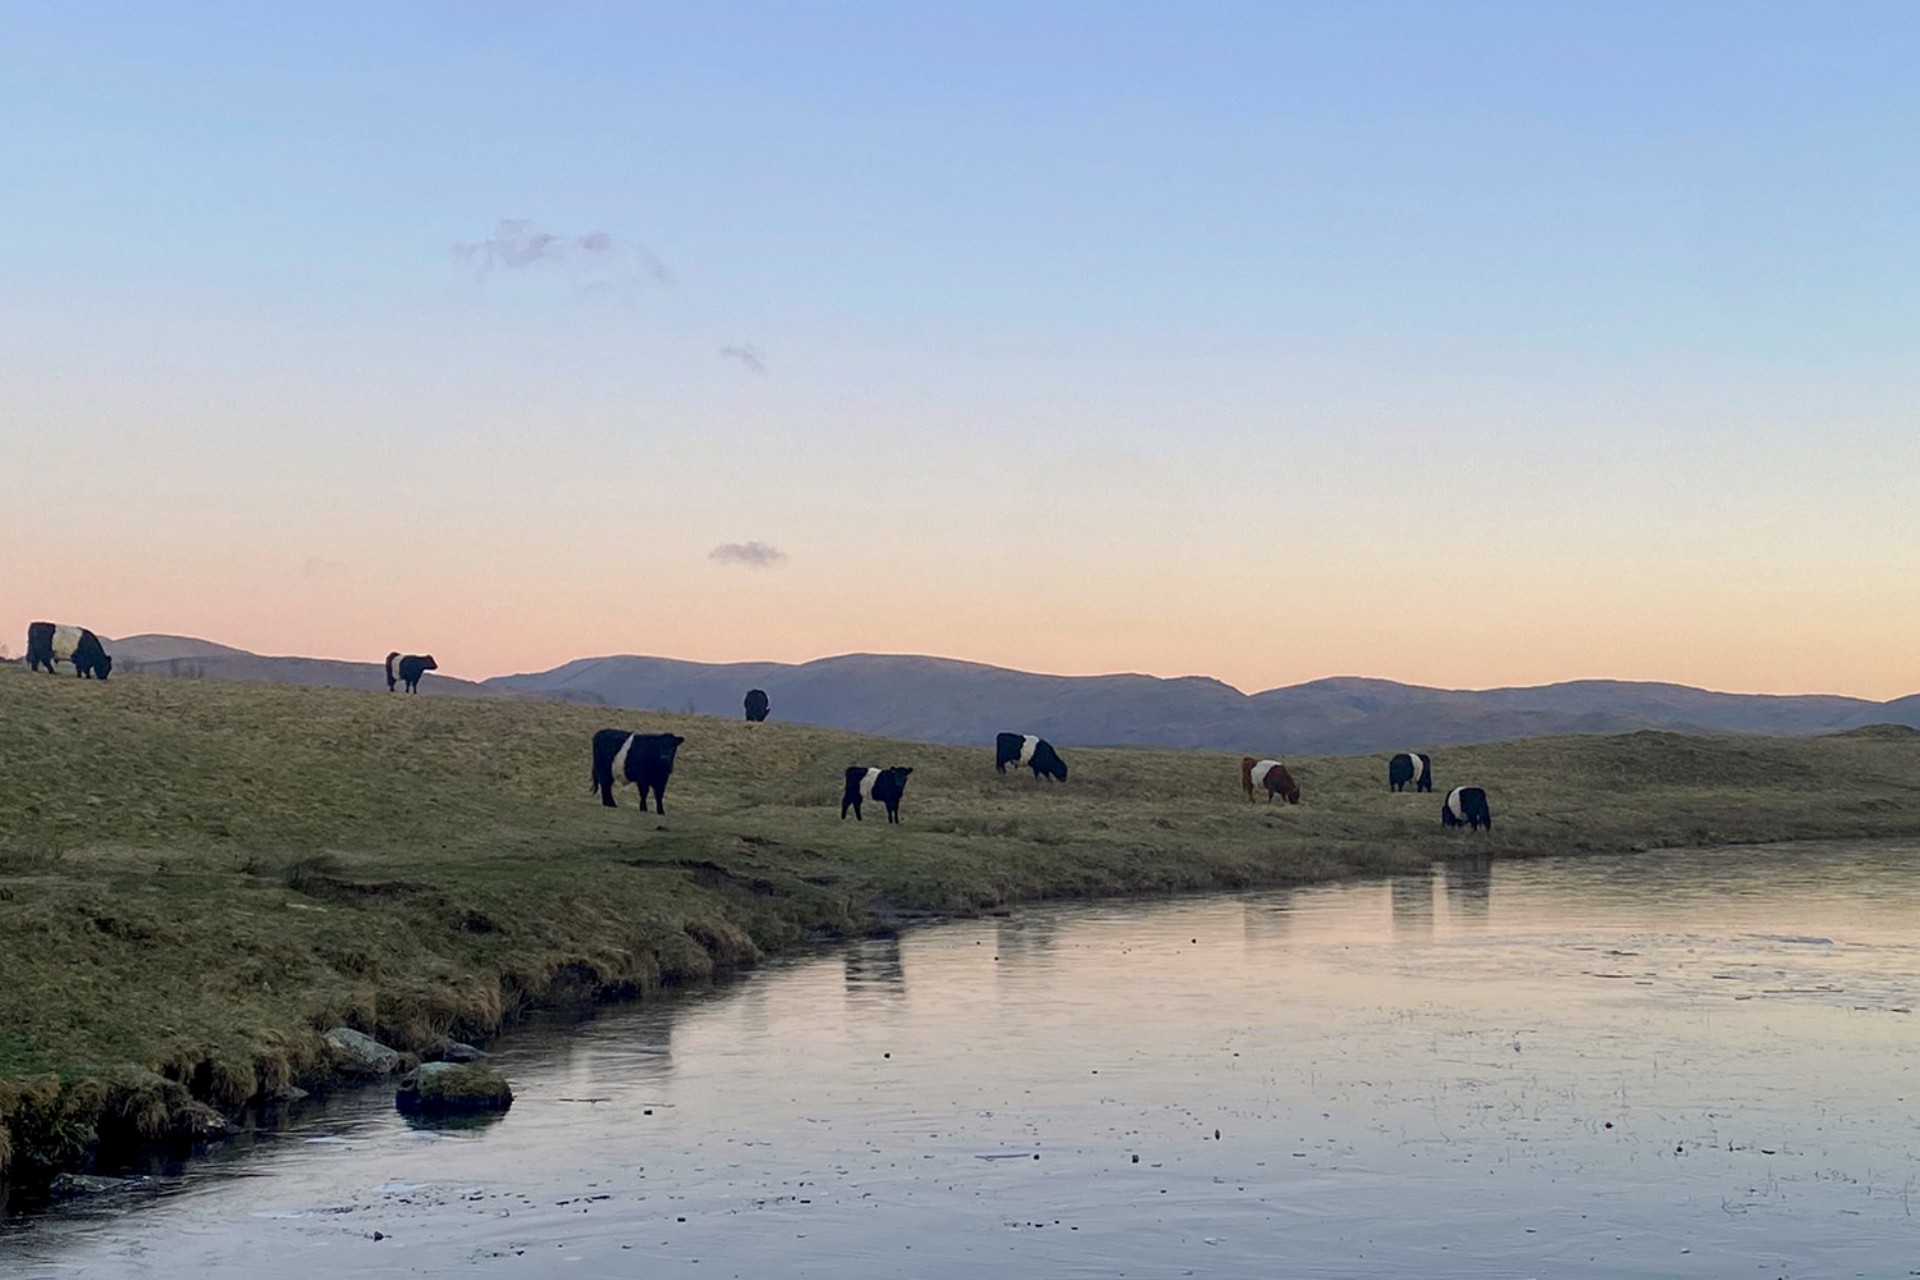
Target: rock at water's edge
x,y
361,1053
451,1088
457,1052
68,1185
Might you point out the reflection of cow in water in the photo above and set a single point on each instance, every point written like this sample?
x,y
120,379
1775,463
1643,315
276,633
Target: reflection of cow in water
x,y
1412,903
1271,776
1466,807
1469,884
48,643
1026,751
757,705
1410,769
874,967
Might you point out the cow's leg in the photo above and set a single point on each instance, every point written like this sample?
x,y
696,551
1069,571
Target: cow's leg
x,y
660,799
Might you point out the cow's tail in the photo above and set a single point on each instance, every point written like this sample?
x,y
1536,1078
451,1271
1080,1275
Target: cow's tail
x,y
600,780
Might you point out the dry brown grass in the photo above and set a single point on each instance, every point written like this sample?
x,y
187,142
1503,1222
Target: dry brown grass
x,y
197,877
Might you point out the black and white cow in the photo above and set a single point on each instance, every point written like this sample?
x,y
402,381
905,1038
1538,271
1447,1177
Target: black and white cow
x,y
1025,751
48,643
409,668
1410,769
1466,807
867,783
757,705
644,759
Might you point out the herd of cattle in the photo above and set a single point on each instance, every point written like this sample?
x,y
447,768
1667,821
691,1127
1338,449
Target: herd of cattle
x,y
645,760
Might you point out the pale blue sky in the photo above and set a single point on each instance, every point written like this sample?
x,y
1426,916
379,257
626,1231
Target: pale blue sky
x,y
1459,343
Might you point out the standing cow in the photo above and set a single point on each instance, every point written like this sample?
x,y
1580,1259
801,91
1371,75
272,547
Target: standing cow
x,y
409,669
867,783
644,759
1025,751
48,643
1410,768
1466,807
1271,776
757,705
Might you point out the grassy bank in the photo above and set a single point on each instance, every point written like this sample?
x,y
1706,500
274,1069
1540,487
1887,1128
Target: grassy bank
x,y
197,878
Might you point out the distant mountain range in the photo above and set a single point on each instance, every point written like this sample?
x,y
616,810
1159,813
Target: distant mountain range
x,y
943,700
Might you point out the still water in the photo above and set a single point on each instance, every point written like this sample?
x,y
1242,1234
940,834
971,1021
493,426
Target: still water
x,y
1680,1064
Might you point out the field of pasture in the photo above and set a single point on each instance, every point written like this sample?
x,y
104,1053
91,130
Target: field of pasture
x,y
197,878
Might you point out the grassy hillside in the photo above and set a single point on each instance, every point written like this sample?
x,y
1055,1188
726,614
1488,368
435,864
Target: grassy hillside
x,y
197,877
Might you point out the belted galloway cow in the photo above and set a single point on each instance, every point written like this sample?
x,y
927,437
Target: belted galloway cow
x,y
867,783
409,668
1410,769
48,643
1466,807
1026,751
644,759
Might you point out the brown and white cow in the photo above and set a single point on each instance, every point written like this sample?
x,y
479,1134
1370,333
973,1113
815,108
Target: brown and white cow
x,y
1271,776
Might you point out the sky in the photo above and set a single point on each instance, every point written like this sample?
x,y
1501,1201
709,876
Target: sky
x,y
1460,344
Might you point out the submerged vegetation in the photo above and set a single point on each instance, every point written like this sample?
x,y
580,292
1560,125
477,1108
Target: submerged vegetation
x,y
198,879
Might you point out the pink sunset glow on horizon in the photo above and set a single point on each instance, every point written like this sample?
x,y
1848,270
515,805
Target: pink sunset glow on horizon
x,y
1435,354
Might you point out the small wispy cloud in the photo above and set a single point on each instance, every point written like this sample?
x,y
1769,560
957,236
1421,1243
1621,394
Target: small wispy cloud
x,y
754,555
319,567
597,259
747,354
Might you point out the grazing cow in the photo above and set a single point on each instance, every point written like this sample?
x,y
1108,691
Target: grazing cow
x,y
409,668
884,785
644,759
48,643
757,705
1270,775
1410,769
1025,751
1466,807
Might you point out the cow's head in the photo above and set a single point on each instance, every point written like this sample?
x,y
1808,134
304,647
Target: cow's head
x,y
1059,768
104,667
900,771
671,745
1291,790
427,663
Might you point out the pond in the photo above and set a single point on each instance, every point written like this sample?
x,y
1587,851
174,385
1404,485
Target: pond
x,y
1694,1063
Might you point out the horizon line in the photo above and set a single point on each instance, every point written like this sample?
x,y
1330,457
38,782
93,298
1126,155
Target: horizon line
x,y
1060,675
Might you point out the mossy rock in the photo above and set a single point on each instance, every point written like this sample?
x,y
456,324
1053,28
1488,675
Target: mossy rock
x,y
451,1088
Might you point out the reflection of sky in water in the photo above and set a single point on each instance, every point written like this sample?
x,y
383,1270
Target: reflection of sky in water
x,y
1670,1065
